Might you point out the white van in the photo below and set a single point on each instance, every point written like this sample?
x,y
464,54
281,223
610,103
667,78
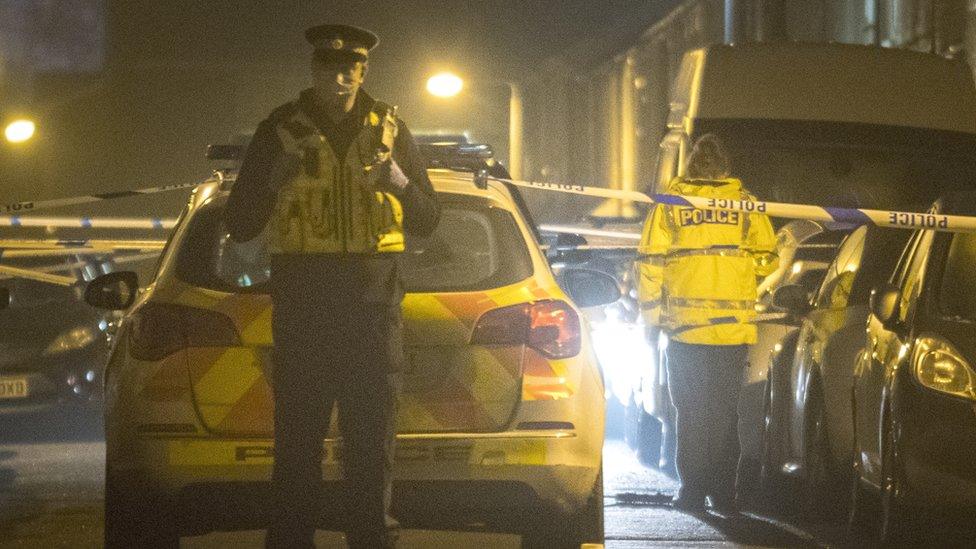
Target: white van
x,y
797,113
825,124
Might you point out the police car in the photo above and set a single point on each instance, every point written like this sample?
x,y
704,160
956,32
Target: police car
x,y
501,415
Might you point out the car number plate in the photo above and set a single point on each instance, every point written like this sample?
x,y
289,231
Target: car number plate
x,y
13,387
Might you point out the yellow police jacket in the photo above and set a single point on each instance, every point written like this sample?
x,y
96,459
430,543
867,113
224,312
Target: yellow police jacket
x,y
332,206
697,269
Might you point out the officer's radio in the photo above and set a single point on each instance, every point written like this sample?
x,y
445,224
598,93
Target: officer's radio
x,y
385,131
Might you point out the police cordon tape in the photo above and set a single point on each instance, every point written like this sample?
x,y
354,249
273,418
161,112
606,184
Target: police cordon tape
x,y
854,216
29,206
719,321
16,272
21,248
150,223
586,231
80,243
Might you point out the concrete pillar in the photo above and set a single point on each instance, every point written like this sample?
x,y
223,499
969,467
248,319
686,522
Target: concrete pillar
x,y
737,20
515,111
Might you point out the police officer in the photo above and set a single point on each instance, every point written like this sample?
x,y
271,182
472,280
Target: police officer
x,y
331,181
697,281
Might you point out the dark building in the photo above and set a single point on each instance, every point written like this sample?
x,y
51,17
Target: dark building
x,y
600,122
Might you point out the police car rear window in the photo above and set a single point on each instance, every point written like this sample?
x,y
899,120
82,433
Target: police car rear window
x,y
475,247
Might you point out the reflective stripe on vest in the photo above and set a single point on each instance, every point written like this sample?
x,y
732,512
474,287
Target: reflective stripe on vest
x,y
722,251
648,305
330,206
711,304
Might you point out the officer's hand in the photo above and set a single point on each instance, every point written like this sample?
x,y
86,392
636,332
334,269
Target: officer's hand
x,y
388,175
398,179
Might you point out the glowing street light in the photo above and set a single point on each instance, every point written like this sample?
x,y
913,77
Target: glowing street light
x,y
445,84
19,131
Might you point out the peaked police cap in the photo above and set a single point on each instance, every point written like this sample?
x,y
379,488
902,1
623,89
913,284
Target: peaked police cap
x,y
341,42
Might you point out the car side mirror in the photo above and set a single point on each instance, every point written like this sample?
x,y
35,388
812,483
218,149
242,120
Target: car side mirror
x,y
113,291
569,240
4,298
589,288
793,298
566,249
884,303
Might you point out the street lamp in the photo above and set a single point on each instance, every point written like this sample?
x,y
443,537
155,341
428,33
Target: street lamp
x,y
448,84
19,131
445,84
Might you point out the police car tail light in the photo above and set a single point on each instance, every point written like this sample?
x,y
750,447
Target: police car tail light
x,y
550,327
555,329
939,366
159,330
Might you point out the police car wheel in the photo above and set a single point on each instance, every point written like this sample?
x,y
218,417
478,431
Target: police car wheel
x,y
565,532
134,518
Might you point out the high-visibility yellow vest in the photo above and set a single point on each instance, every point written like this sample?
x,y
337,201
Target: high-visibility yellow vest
x,y
697,269
330,206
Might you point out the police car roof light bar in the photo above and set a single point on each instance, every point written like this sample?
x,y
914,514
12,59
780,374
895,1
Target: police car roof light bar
x,y
225,152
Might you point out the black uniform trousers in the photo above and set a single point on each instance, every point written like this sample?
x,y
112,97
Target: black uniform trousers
x,y
704,383
332,347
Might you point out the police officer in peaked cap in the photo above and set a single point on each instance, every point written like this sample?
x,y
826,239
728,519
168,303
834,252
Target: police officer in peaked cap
x,y
330,184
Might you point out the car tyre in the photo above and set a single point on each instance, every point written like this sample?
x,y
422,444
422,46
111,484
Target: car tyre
x,y
669,449
862,506
615,419
773,486
897,524
632,422
135,518
861,516
583,527
649,439
822,484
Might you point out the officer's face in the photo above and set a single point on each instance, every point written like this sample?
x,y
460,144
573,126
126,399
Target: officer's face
x,y
338,79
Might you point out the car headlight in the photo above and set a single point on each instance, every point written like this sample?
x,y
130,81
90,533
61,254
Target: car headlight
x,y
71,341
939,366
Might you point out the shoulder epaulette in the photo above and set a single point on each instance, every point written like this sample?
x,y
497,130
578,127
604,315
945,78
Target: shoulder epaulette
x,y
381,109
283,112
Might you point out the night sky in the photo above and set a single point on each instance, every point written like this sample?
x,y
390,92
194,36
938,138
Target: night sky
x,y
180,74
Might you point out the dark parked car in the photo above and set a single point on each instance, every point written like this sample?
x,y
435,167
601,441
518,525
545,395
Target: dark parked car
x,y
807,428
52,347
914,392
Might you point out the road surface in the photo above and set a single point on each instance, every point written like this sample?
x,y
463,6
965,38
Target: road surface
x,y
51,474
